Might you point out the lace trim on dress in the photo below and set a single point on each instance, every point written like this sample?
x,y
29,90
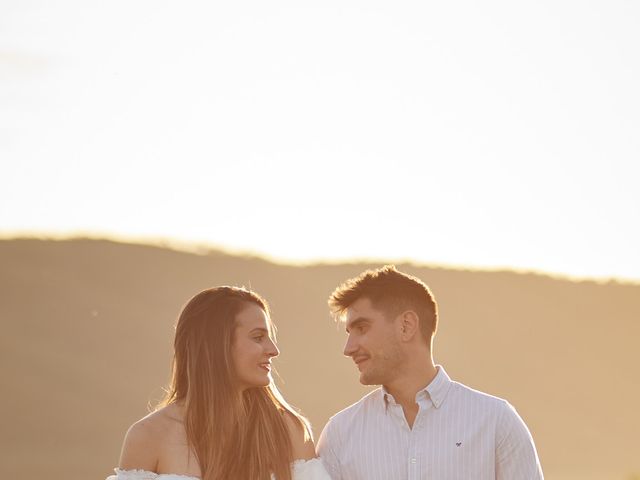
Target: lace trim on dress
x,y
302,465
309,469
312,469
147,475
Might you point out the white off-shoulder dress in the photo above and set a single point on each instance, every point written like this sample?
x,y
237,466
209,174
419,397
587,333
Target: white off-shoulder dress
x,y
300,470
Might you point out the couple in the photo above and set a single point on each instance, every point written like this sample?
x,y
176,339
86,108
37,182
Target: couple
x,y
224,419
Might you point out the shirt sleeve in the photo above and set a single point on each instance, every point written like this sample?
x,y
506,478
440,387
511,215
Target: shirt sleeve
x,y
516,456
327,447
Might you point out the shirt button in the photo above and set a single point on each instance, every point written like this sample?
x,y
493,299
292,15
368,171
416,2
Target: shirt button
x,y
413,460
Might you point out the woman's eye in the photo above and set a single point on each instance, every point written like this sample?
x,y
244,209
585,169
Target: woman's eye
x,y
259,338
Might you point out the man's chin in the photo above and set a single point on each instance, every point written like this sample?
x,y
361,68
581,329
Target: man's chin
x,y
367,380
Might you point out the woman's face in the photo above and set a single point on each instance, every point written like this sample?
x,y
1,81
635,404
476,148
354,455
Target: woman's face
x,y
252,348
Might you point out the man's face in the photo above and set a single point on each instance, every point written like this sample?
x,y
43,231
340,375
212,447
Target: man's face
x,y
373,343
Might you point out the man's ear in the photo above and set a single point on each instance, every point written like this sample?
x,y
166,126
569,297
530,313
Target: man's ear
x,y
409,325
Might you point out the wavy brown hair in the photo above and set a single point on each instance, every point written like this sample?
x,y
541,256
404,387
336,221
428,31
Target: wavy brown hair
x,y
234,435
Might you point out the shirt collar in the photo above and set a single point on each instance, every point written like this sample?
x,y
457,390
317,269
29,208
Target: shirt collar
x,y
436,391
439,387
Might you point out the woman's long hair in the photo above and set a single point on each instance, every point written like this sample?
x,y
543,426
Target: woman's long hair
x,y
238,437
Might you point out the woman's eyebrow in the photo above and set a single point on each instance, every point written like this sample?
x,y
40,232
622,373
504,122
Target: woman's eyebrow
x,y
259,329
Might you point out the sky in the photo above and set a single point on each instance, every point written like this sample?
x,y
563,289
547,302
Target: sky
x,y
469,134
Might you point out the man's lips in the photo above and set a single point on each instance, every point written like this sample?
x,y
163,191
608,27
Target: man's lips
x,y
360,360
266,366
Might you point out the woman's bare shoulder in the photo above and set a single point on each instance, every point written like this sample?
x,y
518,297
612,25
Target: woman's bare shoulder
x,y
143,441
301,441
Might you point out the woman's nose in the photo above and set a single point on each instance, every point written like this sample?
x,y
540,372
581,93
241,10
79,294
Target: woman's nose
x,y
272,349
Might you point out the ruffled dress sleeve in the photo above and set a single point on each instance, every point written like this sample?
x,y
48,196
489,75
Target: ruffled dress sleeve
x,y
309,470
132,475
146,475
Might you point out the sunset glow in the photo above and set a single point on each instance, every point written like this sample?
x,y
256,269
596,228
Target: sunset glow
x,y
468,135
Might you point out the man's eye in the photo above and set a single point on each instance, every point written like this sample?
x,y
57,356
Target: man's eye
x,y
258,338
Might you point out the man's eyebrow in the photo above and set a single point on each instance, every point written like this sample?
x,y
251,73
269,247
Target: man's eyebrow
x,y
259,329
356,322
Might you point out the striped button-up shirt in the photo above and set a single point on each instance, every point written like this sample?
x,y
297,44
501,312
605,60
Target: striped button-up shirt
x,y
458,434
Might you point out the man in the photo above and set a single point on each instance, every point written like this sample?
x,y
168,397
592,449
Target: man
x,y
420,424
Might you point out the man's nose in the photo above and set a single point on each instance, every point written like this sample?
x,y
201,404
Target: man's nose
x,y
350,347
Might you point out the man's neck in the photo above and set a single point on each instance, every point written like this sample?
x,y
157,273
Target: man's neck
x,y
404,388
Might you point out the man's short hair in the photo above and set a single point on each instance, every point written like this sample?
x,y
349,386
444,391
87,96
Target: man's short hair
x,y
390,291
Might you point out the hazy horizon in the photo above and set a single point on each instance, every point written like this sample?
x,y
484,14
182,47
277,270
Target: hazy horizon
x,y
206,248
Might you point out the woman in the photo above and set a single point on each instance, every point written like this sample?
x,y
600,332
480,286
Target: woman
x,y
222,418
